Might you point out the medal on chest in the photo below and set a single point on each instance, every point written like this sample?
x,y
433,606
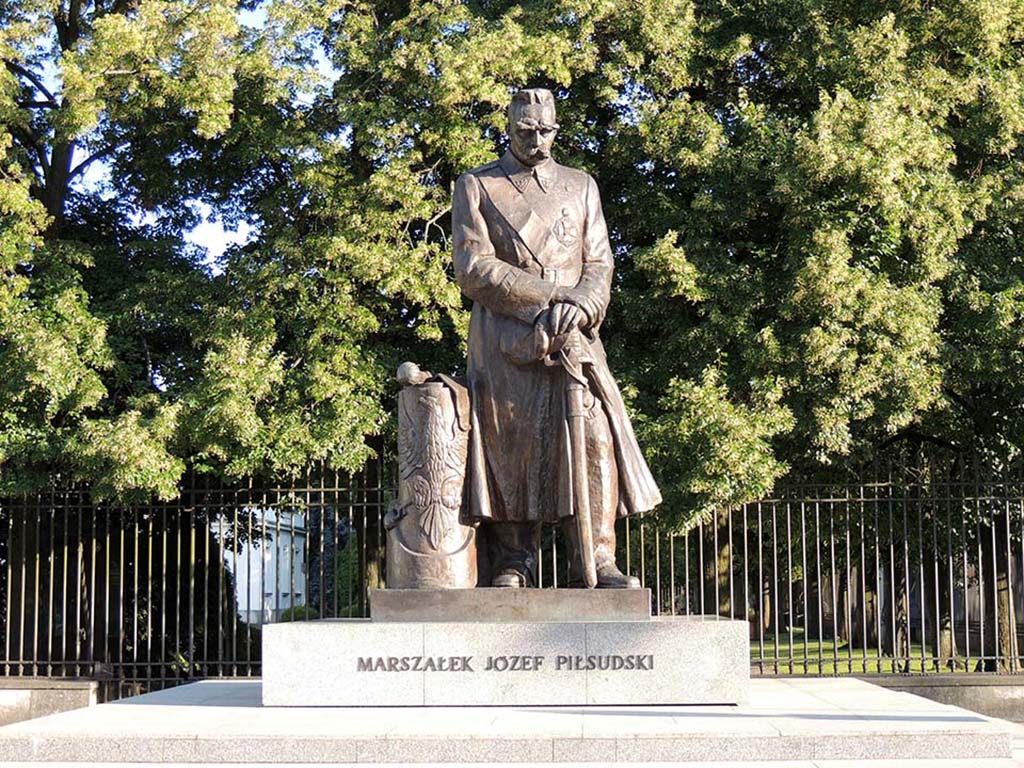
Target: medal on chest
x,y
565,228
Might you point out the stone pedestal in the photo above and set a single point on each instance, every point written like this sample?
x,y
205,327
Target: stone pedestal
x,y
510,604
617,654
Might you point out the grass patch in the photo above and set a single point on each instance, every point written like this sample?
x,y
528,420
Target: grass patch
x,y
796,653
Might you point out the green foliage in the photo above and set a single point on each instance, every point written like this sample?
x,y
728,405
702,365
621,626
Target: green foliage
x,y
299,613
732,444
822,238
816,209
91,298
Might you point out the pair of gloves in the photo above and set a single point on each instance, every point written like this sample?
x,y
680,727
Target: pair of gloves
x,y
570,308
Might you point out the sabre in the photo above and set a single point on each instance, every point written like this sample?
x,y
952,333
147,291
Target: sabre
x,y
575,397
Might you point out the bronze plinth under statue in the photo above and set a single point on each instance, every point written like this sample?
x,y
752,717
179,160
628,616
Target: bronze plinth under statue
x,y
550,440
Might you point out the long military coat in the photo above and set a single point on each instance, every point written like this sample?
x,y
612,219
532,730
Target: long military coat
x,y
518,233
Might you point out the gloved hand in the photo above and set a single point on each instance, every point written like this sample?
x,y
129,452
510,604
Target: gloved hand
x,y
579,299
564,317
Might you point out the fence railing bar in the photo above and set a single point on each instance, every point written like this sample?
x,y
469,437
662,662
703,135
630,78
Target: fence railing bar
x,y
833,588
222,581
37,584
790,620
120,617
22,593
629,547
848,585
762,593
934,555
700,564
967,604
922,596
951,567
982,613
817,581
875,574
879,589
775,603
1020,536
65,581
657,571
686,571
991,518
803,584
672,573
863,586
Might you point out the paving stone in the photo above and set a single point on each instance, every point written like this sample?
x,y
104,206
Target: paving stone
x,y
454,750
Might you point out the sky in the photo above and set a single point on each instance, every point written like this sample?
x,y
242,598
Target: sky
x,y
212,236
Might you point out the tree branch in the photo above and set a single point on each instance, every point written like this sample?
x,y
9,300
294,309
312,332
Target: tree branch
x,y
433,223
915,434
74,20
960,400
17,69
100,153
36,104
123,6
28,141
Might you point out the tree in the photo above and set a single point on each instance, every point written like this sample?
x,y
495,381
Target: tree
x,y
814,208
831,171
92,293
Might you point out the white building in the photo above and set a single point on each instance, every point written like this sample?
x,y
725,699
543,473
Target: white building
x,y
271,575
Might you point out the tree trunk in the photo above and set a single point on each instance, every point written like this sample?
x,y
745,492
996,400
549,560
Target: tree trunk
x,y
863,632
946,649
897,645
708,565
54,196
723,563
1007,623
370,535
843,609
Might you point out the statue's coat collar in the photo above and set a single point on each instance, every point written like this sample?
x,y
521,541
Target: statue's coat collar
x,y
519,173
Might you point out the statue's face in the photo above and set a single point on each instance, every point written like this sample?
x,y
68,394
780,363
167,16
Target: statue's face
x,y
532,133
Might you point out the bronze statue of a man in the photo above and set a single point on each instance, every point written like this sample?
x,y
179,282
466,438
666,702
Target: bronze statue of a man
x,y
531,250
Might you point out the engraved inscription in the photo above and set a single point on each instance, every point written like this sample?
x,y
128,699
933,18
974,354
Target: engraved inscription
x,y
414,664
566,663
513,663
610,662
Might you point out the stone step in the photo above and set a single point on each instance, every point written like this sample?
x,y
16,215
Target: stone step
x,y
804,722
969,763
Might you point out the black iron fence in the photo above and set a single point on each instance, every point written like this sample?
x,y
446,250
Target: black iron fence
x,y
905,571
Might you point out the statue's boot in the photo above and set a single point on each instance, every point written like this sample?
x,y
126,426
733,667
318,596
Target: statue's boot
x,y
610,577
608,574
509,579
512,549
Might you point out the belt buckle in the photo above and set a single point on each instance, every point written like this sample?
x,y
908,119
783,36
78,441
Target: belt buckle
x,y
549,274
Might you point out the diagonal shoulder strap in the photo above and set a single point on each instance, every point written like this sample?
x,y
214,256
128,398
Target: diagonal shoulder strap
x,y
529,227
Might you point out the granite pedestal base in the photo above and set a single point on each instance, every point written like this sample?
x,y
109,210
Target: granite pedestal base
x,y
665,660
506,647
